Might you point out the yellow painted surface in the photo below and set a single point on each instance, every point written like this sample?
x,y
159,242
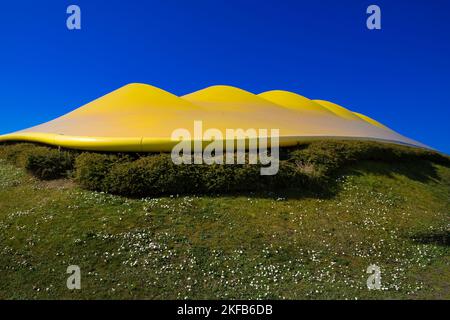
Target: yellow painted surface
x,y
140,117
338,110
371,121
295,102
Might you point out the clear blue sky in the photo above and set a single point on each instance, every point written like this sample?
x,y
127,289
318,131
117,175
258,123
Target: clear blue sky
x,y
320,49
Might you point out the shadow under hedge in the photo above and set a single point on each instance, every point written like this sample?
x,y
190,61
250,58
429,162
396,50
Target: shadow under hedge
x,y
440,238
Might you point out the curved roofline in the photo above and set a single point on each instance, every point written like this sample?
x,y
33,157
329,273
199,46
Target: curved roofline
x,y
120,120
151,144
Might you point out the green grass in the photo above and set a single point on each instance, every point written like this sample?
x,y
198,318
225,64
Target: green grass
x,y
253,246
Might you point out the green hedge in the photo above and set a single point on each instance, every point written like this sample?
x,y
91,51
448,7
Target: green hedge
x,y
50,164
92,168
18,153
43,162
156,174
311,166
325,157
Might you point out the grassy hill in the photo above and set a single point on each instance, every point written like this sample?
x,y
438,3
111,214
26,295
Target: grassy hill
x,y
282,244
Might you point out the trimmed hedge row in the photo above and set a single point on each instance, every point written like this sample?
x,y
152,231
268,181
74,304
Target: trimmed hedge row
x,y
43,162
308,166
157,174
50,164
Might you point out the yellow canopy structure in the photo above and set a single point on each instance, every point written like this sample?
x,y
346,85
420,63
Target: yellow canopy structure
x,y
140,117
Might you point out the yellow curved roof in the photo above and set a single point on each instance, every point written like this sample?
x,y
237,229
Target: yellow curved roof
x,y
140,117
295,101
338,110
371,121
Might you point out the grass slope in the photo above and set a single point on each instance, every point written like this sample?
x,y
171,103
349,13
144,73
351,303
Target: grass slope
x,y
264,245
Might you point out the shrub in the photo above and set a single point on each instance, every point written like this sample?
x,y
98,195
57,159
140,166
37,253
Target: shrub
x,y
126,179
310,165
134,178
156,175
46,164
323,158
218,178
92,168
18,153
43,162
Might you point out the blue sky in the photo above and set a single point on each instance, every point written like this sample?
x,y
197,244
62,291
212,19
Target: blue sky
x,y
399,75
